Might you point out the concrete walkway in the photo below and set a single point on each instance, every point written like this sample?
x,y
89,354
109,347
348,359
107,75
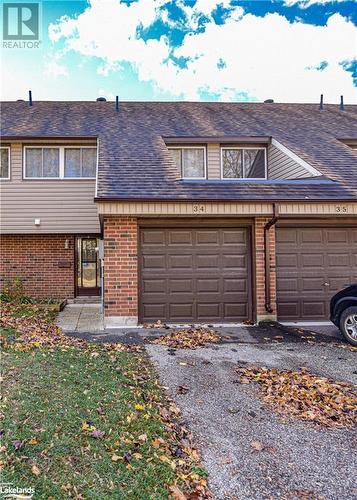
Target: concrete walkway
x,y
81,318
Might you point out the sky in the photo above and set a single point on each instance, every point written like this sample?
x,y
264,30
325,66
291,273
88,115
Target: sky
x,y
197,50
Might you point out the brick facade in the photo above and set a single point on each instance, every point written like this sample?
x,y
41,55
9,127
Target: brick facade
x,y
121,269
259,258
40,260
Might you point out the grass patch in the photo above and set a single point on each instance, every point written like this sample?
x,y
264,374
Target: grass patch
x,y
81,420
87,426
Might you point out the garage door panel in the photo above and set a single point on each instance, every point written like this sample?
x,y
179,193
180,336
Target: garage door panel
x,y
154,285
153,311
207,237
231,285
181,311
208,285
179,238
156,237
314,260
233,310
180,261
234,237
313,309
209,311
337,236
207,261
288,310
312,235
198,278
284,260
338,259
321,262
154,262
183,285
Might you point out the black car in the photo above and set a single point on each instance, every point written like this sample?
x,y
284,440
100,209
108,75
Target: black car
x,y
343,313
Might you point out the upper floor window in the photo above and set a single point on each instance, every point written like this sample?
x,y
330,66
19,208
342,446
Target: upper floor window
x,y
191,161
62,162
4,163
243,163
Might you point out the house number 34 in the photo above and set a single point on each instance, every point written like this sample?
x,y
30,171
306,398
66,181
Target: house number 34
x,y
199,209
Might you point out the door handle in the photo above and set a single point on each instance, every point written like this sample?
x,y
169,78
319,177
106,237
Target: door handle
x,y
326,283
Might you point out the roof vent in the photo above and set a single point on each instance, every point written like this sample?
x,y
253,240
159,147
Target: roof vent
x,y
269,101
342,106
321,102
101,99
20,100
30,97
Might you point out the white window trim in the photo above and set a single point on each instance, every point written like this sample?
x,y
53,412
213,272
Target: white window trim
x,y
204,161
245,178
61,162
9,160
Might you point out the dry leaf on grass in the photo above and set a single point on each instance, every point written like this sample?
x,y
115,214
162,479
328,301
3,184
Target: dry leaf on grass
x,y
177,494
189,338
305,396
37,330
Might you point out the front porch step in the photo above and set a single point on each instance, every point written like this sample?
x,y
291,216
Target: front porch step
x,y
87,300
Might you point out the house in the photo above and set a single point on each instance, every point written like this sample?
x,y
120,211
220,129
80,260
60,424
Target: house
x,y
184,212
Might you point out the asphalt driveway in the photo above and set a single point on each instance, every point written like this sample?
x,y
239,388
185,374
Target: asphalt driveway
x,y
299,460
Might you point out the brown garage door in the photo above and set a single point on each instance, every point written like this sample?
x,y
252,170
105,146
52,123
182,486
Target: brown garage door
x,y
192,274
313,263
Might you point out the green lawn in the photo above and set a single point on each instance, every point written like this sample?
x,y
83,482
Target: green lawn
x,y
91,423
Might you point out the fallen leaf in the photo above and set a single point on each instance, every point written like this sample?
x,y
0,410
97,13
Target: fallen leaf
x,y
115,458
177,494
97,434
257,445
35,470
139,407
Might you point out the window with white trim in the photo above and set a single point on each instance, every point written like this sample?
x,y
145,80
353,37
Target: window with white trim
x,y
243,163
190,161
59,162
4,163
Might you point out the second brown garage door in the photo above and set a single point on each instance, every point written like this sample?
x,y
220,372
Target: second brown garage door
x,y
313,263
194,274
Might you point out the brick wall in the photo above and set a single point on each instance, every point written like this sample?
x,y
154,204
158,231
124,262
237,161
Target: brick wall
x,y
37,259
120,267
261,311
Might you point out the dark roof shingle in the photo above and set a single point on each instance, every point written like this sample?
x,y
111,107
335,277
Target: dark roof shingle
x,y
134,162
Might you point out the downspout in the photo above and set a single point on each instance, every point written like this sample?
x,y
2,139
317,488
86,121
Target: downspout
x,y
267,226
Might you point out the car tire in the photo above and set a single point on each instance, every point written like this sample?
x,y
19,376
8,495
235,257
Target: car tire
x,y
348,324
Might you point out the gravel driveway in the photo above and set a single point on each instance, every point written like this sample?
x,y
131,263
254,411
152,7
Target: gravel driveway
x,y
299,460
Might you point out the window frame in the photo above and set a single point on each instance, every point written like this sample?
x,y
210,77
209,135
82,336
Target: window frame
x,y
204,161
9,161
61,148
241,148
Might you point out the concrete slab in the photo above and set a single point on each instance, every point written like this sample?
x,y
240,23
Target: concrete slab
x,y
81,318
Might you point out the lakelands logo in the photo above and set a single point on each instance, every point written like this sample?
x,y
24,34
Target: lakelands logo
x,y
7,490
21,25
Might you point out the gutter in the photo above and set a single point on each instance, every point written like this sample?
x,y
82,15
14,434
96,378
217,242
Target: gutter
x,y
267,227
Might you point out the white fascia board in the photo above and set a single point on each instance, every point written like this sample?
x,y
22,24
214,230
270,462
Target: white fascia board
x,y
295,157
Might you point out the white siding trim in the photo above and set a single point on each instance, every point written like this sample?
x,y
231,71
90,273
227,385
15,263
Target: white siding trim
x,y
9,163
295,157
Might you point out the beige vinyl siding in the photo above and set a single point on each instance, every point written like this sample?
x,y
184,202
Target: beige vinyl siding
x,y
64,206
280,166
213,161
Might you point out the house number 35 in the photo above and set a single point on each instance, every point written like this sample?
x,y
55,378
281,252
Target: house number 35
x,y
341,209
